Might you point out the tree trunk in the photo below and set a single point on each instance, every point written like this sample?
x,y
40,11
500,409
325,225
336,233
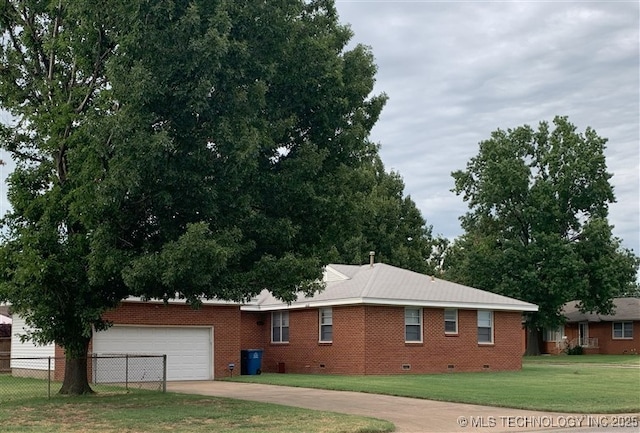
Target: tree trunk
x,y
533,341
76,377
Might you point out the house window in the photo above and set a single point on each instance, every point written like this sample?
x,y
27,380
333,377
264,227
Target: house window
x,y
485,326
450,321
623,330
413,325
280,327
326,325
553,334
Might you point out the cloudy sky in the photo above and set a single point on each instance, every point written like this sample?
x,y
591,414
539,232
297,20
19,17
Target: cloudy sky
x,y
456,71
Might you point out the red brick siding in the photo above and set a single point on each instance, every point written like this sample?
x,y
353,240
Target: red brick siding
x,y
607,345
225,321
305,354
253,335
387,351
58,373
552,348
370,340
613,346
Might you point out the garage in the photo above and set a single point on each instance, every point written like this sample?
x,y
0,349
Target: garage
x,y
189,352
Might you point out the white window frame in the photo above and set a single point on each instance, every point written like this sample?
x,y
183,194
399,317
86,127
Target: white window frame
x,y
283,322
624,325
491,325
413,324
325,320
454,320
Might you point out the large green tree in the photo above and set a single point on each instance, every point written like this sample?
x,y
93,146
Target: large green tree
x,y
178,149
377,216
537,228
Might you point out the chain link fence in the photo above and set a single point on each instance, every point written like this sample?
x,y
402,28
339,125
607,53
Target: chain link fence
x,y
112,373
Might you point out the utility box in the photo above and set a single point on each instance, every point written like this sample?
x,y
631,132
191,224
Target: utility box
x,y
251,361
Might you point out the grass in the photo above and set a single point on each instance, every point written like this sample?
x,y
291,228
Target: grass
x,y
144,411
581,386
631,360
20,388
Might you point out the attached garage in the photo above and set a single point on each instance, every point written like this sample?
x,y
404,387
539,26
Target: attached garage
x,y
189,350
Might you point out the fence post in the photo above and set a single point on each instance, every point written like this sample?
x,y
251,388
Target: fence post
x,y
164,373
126,371
49,379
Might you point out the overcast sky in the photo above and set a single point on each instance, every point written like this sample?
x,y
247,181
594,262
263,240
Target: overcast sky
x,y
456,71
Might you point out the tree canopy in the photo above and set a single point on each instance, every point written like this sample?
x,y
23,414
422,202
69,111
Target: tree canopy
x,y
185,149
537,228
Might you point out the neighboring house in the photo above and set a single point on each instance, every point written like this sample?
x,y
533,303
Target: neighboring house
x,y
372,319
614,334
28,359
379,319
5,338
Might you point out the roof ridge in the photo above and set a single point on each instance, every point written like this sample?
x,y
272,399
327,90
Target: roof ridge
x,y
370,281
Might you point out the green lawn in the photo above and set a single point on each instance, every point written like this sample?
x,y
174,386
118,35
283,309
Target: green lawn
x,y
151,412
580,386
584,359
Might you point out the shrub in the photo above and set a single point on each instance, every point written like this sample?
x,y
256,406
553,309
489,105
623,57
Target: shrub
x,y
575,350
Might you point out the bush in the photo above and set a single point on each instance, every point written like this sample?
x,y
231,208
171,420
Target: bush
x,y
575,350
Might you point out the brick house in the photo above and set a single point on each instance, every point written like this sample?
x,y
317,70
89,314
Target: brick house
x,y
615,334
380,319
199,343
372,319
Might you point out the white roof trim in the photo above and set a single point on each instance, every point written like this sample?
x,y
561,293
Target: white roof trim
x,y
392,302
179,301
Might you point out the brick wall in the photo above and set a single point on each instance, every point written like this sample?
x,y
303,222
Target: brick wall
x,y
224,319
603,331
304,353
387,351
370,340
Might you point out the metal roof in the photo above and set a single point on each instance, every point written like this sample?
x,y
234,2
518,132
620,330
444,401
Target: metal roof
x,y
624,309
382,284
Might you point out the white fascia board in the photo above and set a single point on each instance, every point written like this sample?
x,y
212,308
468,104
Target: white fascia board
x,y
452,304
179,301
392,302
302,304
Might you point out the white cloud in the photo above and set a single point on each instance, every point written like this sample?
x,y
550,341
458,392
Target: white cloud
x,y
455,71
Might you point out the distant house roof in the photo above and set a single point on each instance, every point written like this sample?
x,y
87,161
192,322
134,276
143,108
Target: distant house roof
x,y
382,284
624,309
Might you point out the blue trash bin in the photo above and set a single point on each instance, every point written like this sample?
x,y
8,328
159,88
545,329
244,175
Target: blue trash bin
x,y
251,361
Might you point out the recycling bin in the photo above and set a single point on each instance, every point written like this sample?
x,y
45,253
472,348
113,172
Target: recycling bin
x,y
251,361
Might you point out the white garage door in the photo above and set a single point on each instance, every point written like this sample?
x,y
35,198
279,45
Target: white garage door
x,y
189,350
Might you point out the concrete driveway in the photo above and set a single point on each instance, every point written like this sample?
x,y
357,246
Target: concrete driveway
x,y
413,415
